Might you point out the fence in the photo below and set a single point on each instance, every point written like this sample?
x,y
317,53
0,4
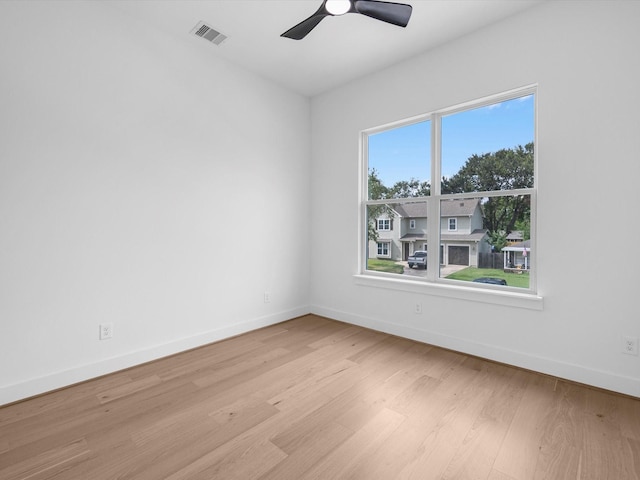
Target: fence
x,y
490,260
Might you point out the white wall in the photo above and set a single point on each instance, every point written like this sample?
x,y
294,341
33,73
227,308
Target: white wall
x,y
133,177
140,186
584,57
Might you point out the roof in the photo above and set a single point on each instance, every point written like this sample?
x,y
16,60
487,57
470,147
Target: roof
x,y
448,208
516,235
410,237
474,236
412,210
458,208
518,247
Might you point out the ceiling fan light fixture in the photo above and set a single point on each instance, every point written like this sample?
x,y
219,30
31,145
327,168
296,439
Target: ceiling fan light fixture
x,y
389,12
338,7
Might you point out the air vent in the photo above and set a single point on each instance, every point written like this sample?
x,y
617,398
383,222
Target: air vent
x,y
205,31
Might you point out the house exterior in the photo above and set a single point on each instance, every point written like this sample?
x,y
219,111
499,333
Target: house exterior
x,y
517,255
404,230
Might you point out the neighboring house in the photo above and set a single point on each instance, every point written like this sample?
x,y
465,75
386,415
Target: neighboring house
x,y
404,230
515,237
517,255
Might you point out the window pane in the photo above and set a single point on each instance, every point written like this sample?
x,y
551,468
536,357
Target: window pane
x,y
397,232
399,162
491,244
489,148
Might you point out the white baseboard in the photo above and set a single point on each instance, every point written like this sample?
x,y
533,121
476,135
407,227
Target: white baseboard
x,y
576,373
57,380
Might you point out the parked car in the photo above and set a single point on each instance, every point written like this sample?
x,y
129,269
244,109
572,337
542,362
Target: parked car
x,y
491,280
418,258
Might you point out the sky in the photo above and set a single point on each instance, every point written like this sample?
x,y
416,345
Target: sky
x,y
405,152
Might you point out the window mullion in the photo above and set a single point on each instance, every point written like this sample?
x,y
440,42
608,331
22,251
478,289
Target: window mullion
x,y
436,153
433,206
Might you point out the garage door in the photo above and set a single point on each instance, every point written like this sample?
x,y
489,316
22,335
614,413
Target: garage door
x,y
458,255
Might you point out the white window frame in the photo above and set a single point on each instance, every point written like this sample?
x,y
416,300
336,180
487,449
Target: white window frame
x,y
386,225
455,224
412,224
432,284
388,246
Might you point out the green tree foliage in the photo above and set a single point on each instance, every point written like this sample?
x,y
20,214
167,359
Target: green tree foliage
x,y
498,240
411,188
506,169
524,226
377,191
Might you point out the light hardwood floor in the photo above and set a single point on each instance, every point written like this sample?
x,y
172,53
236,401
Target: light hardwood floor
x,y
312,398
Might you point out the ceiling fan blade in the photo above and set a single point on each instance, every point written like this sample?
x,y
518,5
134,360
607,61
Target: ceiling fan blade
x,y
301,30
395,13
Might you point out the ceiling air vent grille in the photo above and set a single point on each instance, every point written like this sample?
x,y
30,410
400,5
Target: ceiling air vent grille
x,y
205,31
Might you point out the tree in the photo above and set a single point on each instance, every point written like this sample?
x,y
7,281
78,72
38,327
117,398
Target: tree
x,y
524,226
377,191
411,188
498,240
506,169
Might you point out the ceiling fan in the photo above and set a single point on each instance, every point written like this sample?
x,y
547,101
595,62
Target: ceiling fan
x,y
394,13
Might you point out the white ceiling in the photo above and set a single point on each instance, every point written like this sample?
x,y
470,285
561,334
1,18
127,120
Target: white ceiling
x,y
338,50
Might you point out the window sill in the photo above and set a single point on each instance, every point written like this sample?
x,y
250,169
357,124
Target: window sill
x,y
460,292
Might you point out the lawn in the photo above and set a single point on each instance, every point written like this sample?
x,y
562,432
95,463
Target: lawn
x,y
520,280
388,266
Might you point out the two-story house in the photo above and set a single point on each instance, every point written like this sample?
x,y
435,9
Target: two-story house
x,y
403,230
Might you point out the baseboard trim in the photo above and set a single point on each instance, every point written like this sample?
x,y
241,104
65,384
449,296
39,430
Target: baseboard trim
x,y
571,372
567,371
55,381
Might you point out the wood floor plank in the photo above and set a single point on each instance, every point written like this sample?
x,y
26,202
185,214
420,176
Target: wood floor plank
x,y
476,454
497,475
559,452
143,383
518,454
629,417
314,385
309,448
347,458
232,460
229,369
448,427
601,421
206,360
631,455
42,463
315,398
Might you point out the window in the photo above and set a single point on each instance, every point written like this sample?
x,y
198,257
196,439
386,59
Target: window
x,y
384,224
383,249
464,178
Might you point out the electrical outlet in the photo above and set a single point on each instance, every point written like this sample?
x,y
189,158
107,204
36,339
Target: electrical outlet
x,y
267,297
630,345
106,331
418,308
